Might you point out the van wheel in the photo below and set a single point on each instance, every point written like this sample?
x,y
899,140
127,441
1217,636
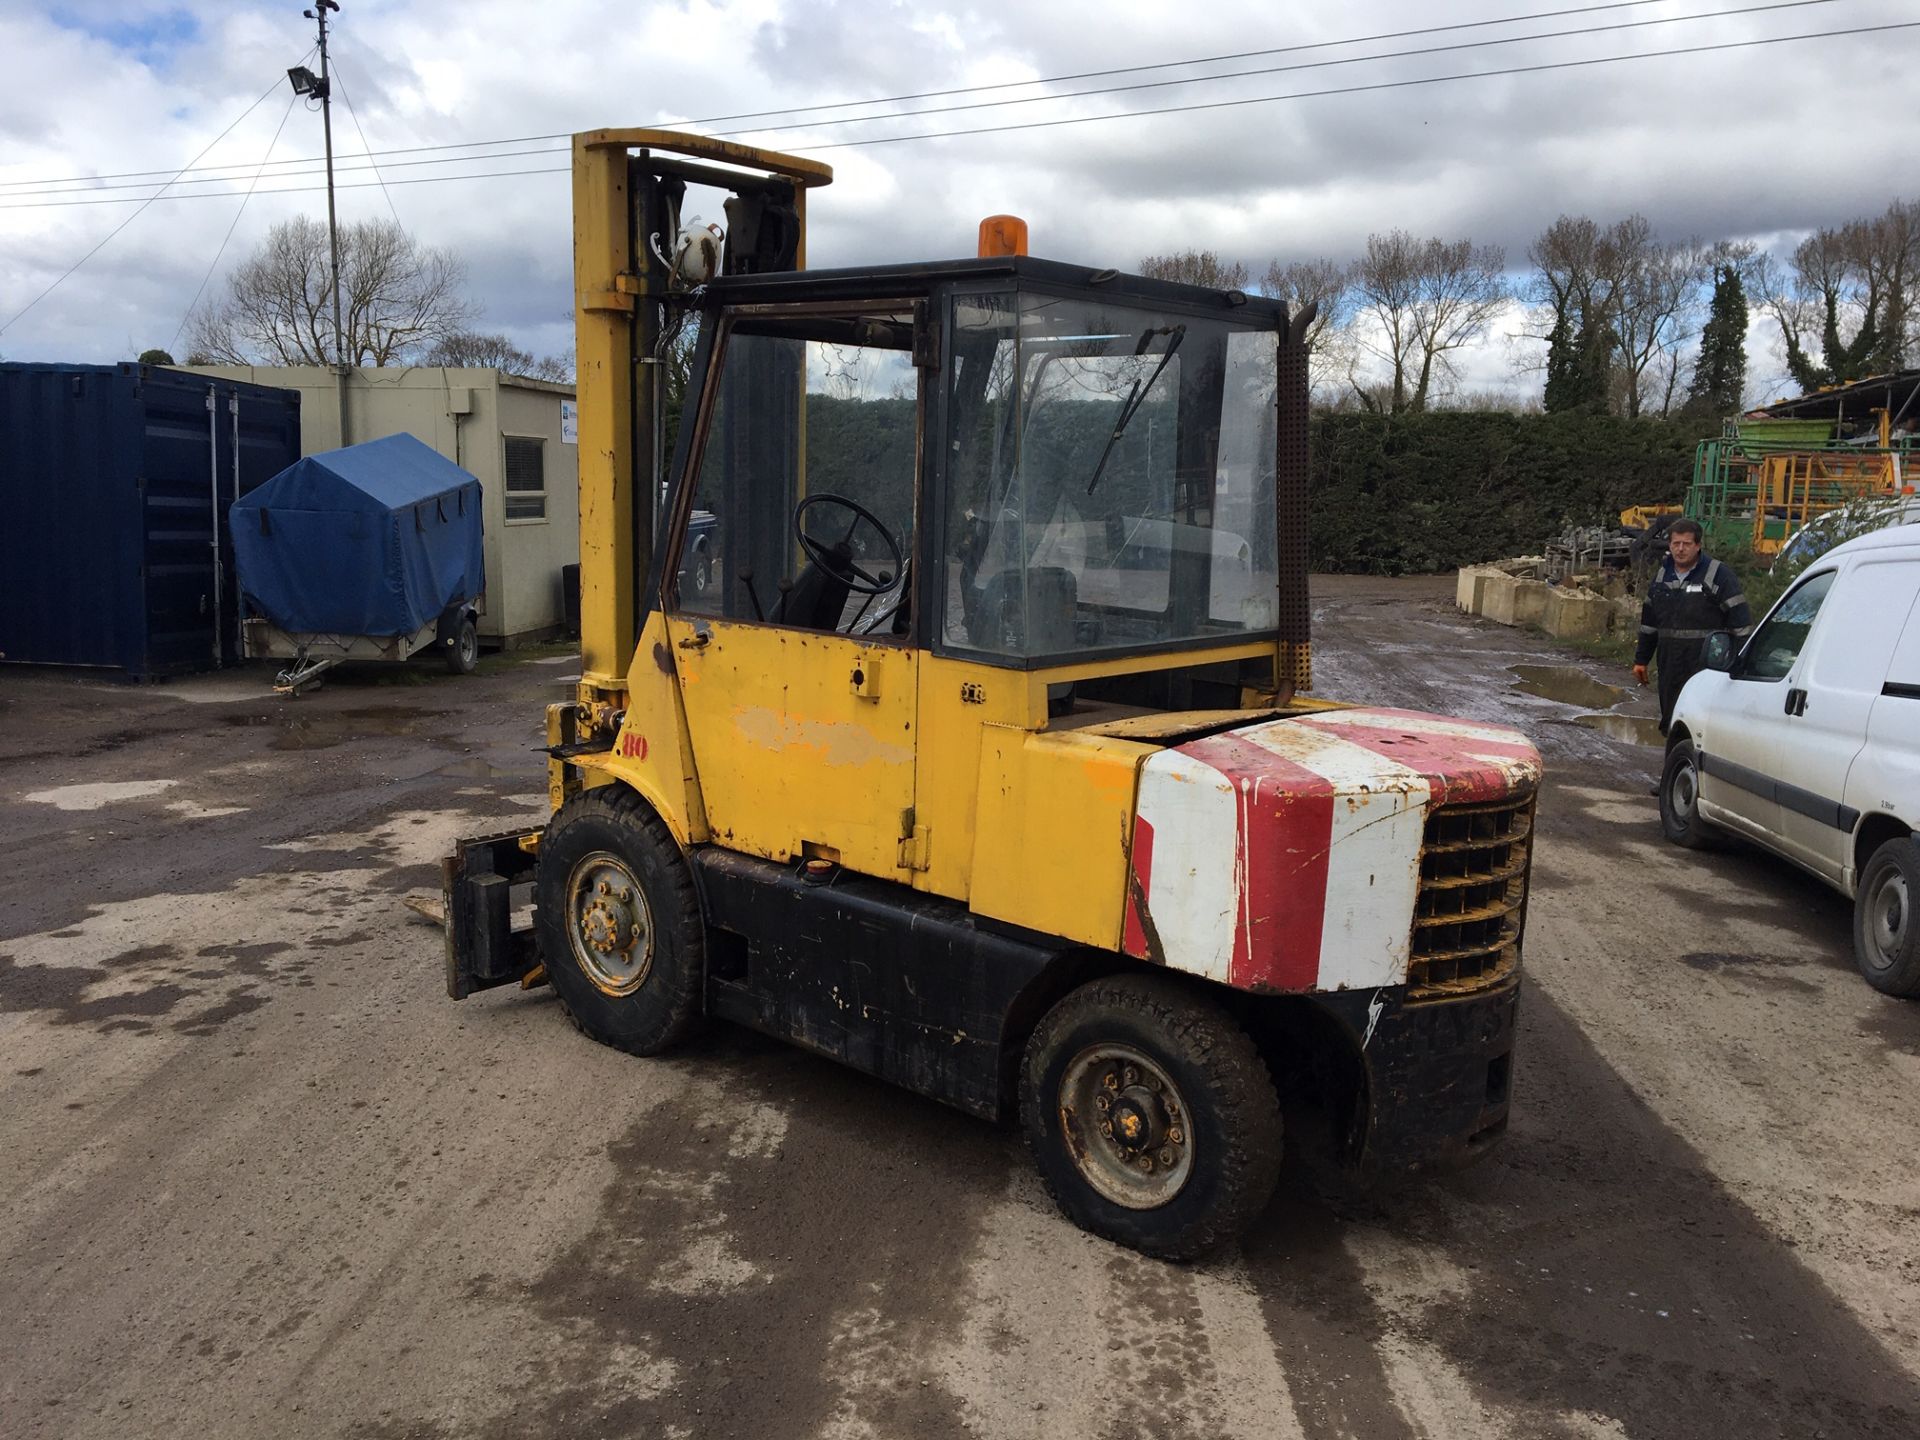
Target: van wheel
x,y
1886,932
463,655
1151,1116
702,571
1680,800
618,922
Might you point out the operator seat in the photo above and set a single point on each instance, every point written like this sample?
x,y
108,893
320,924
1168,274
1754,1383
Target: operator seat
x,y
818,599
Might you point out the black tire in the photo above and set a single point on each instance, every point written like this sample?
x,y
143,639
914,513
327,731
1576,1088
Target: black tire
x,y
463,655
608,866
1680,800
1223,1131
1886,930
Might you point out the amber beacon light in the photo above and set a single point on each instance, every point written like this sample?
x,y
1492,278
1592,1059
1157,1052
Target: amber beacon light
x,y
1003,235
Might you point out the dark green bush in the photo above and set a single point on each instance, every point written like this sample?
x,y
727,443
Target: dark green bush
x,y
1413,494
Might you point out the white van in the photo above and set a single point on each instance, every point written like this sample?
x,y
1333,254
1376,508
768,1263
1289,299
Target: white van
x,y
1807,742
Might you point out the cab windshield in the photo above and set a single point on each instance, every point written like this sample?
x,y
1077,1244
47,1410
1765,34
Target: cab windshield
x,y
1110,479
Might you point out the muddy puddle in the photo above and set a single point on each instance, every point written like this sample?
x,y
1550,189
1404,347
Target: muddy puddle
x,y
1632,729
322,730
1571,685
1568,684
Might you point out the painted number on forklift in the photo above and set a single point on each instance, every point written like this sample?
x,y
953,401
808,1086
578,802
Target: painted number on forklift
x,y
634,747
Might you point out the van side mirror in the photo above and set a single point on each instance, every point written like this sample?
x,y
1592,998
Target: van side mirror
x,y
1717,653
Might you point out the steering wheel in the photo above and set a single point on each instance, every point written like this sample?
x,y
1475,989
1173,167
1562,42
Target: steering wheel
x,y
837,559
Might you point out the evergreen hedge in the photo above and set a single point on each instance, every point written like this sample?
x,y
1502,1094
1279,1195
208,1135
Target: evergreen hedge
x,y
1413,494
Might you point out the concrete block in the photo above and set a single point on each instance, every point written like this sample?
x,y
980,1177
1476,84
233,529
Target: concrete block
x,y
1511,600
1626,615
1576,614
1469,587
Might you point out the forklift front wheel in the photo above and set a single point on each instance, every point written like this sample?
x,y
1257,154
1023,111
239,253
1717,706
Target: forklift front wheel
x,y
1151,1116
618,922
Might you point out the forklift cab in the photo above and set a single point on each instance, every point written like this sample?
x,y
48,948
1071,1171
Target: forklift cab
x,y
1002,491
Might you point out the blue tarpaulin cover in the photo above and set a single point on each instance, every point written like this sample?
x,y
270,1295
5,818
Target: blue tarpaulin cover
x,y
374,539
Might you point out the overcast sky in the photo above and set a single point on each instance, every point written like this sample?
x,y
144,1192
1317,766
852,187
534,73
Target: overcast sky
x,y
1759,143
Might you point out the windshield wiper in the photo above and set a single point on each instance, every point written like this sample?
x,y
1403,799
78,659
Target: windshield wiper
x,y
1137,396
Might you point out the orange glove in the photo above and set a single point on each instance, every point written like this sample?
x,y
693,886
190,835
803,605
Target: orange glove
x,y
1640,673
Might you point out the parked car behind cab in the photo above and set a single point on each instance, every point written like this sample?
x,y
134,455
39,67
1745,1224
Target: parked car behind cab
x,y
1807,742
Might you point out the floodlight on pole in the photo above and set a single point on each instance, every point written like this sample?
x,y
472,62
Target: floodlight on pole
x,y
317,87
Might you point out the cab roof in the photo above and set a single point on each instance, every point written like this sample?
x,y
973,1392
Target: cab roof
x,y
895,282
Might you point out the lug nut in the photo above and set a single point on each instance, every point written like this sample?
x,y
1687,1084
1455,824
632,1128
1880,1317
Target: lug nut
x,y
1146,1163
1174,1135
1166,1157
1103,1102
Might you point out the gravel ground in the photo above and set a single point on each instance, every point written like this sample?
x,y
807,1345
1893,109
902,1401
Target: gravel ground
x,y
258,1175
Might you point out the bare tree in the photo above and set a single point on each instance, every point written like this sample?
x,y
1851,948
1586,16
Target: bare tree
x,y
1427,298
497,352
1321,283
1847,296
1657,299
1196,267
398,298
1571,292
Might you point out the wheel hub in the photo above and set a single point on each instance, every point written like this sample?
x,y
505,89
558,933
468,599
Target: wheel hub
x,y
1125,1126
610,926
1889,917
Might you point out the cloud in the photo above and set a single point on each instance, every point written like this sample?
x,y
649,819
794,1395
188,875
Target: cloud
x,y
1731,144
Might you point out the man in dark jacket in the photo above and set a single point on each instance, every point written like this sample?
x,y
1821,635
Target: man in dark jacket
x,y
1693,596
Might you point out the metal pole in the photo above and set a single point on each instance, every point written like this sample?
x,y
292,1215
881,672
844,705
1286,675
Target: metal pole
x,y
213,484
239,631
333,224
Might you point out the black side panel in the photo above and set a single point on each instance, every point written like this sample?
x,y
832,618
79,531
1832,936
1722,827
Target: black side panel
x,y
906,986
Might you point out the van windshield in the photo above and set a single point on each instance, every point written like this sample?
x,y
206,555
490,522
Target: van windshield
x,y
1110,478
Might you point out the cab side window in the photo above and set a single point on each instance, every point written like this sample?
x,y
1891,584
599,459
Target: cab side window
x,y
804,486
1778,642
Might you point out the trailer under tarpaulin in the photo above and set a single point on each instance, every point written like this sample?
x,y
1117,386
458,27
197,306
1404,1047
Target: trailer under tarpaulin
x,y
378,539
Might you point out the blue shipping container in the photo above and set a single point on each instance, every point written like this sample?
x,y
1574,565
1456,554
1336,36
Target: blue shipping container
x,y
114,486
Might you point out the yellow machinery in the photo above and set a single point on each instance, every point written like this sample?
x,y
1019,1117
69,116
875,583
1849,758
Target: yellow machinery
x,y
950,721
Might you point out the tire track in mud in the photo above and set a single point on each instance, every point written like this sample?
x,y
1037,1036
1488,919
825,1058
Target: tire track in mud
x,y
1665,1307
777,1253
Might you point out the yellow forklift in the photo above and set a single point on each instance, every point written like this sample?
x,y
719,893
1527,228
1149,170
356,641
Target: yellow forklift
x,y
974,750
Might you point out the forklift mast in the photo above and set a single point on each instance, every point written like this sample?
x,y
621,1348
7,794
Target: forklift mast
x,y
628,186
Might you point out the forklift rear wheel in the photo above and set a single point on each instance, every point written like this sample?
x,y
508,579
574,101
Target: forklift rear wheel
x,y
618,922
1151,1116
464,653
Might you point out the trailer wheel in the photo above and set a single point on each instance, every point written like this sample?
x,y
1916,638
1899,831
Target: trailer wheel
x,y
618,922
464,653
1151,1116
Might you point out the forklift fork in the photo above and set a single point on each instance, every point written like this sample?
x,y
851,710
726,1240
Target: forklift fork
x,y
485,947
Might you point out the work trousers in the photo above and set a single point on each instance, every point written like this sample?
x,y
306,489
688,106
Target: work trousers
x,y
1675,662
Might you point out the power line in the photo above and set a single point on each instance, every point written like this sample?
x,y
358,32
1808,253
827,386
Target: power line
x,y
1288,69
921,95
1091,119
143,205
355,116
1360,89
187,314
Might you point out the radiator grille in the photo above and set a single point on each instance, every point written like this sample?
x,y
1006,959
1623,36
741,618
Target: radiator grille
x,y
1473,895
